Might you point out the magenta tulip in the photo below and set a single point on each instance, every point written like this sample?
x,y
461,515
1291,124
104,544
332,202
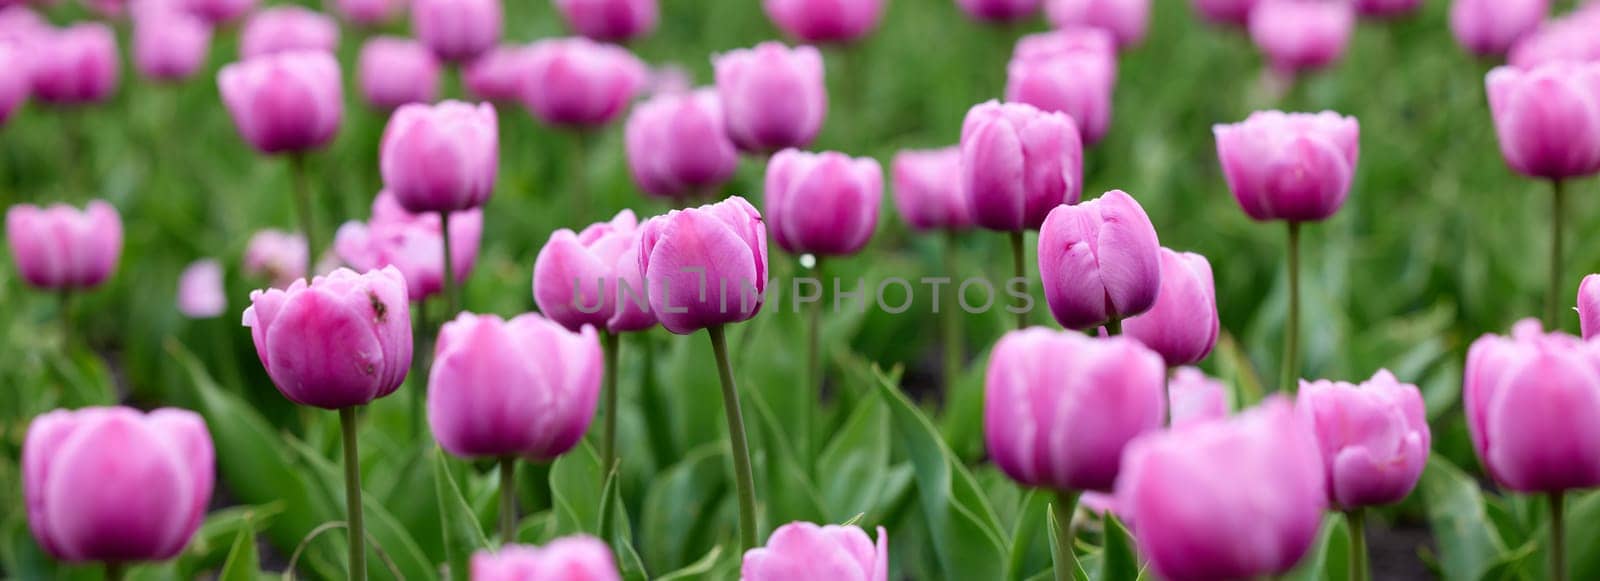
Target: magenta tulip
x,y
576,558
16,82
284,103
20,25
1182,325
219,11
397,71
287,29
705,266
610,20
1301,35
497,74
200,290
441,158
999,10
1100,262
822,203
116,485
1018,163
1374,438
773,97
169,45
62,248
276,256
1387,8
457,30
801,551
576,82
1068,71
412,243
677,146
1589,306
1225,12
371,12
1548,119
1127,20
825,20
1289,166
1491,27
927,189
592,278
77,65
1533,409
1193,398
1567,39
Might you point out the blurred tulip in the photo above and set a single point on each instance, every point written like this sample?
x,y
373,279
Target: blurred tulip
x,y
1193,398
575,558
15,81
1100,262
822,203
77,65
927,189
825,20
1387,8
1182,325
1301,35
62,248
371,12
801,551
284,103
593,278
1548,119
169,45
1570,38
339,342
705,266
677,146
576,82
999,10
1127,20
1491,27
277,256
287,29
1374,437
1533,409
1018,163
773,97
457,30
497,74
1069,71
219,11
610,20
397,71
672,79
412,243
1589,306
22,26
1227,12
200,291
116,485
1289,166
441,158
1232,499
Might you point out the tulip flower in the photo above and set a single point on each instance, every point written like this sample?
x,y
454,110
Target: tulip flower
x,y
287,29
1568,39
412,243
1589,306
540,380
15,84
574,558
169,45
497,74
1069,71
677,146
1301,35
1182,325
76,65
397,71
825,20
1225,12
371,12
1193,398
999,10
21,25
1233,499
116,485
219,11
1387,8
773,96
801,551
1491,27
822,203
927,189
64,249
1100,262
277,256
457,31
610,20
200,291
1126,20
576,82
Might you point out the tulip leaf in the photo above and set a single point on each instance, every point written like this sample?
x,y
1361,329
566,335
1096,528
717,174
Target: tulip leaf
x,y
786,488
696,570
387,539
463,535
1056,556
1117,559
1468,543
1031,519
1328,558
1583,535
208,547
243,563
852,469
577,485
680,516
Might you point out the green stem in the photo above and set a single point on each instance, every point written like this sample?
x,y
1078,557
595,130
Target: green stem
x,y
1066,559
608,438
742,475
452,289
1552,296
115,571
1019,267
1114,326
1558,536
580,191
951,321
302,206
1291,326
352,495
1355,520
508,500
66,316
419,367
814,376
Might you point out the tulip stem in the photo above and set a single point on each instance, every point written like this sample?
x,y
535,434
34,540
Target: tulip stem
x,y
608,437
115,571
302,206
419,367
814,376
1552,296
1291,324
1066,559
66,316
1355,519
742,475
451,286
1558,536
352,495
1019,267
508,500
1114,326
952,322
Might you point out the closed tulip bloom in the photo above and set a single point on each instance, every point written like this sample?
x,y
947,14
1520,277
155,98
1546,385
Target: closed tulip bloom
x,y
1070,71
371,12
1548,119
1533,409
169,45
497,74
1567,39
927,189
397,71
1182,325
1387,8
538,382
773,97
823,203
705,266
457,30
1374,437
1239,498
1226,12
441,158
591,278
999,10
1018,163
63,248
19,23
1194,398
575,558
76,65
219,11
1491,27
1301,35
825,20
341,341
1589,305
287,29
1127,20
116,485
277,256
801,551
576,82
411,243
200,291
1100,261
1059,406
285,102
15,82
1289,166
677,145
610,20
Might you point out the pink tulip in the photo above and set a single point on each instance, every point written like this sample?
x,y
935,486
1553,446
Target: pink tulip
x,y
457,30
397,71
825,20
1059,407
371,12
1233,499
1533,408
220,11
1491,27
822,203
1226,12
77,65
1100,261
575,558
412,243
287,29
801,551
927,189
1070,71
576,82
497,74
341,341
677,145
705,266
1290,166
1387,8
1182,325
286,102
62,248
1548,119
276,256
1301,35
441,158
1018,163
610,20
1589,306
773,96
592,278
1127,20
22,26
169,45
1567,39
15,84
1374,437
999,10
114,484
200,291
1194,398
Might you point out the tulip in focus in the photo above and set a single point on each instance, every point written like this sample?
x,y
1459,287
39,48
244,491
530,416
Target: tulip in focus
x,y
677,146
1071,71
773,97
288,29
1301,35
1548,119
592,278
1127,20
822,203
412,243
1193,398
284,103
457,30
1589,306
497,74
397,71
720,248
576,82
1491,27
999,10
1533,408
219,11
77,65
1387,8
169,45
277,256
825,20
575,558
1100,262
1182,325
610,20
927,189
371,12
1018,163
15,82
62,248
441,158
1289,166
1374,438
801,551
200,290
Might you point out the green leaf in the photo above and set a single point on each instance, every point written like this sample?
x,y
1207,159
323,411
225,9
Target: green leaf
x,y
1328,558
207,549
1468,543
243,563
680,518
1117,559
386,537
697,569
853,467
1056,556
785,488
576,485
463,534
1031,518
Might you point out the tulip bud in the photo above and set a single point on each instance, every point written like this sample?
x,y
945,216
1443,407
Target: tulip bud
x,y
576,82
1548,119
277,256
1301,35
801,551
219,11
76,65
285,102
1127,20
497,74
1018,163
1289,166
825,20
169,45
1234,499
441,158
1100,261
371,12
1567,39
200,291
1225,12
677,145
823,203
574,558
397,71
15,83
705,266
287,29
1490,27
1069,71
412,243
341,341
927,189
116,485
610,20
1589,306
457,30
62,248
1533,408
1387,8
1374,437
1182,325
1193,398
1059,406
999,10
773,96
